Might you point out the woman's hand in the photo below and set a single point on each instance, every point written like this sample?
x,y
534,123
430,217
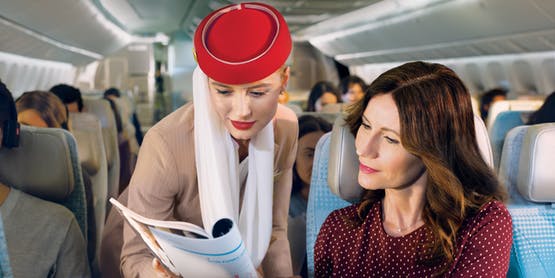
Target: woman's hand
x,y
161,271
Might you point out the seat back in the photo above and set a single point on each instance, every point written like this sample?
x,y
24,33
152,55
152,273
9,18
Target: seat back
x,y
321,201
330,117
334,182
504,122
5,267
533,249
50,160
101,109
88,133
511,105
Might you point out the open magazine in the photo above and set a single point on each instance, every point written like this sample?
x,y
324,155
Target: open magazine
x,y
190,251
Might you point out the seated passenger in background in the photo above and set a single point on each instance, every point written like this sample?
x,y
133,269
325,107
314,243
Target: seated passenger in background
x,y
70,96
44,109
352,89
310,130
322,93
431,205
44,239
546,113
488,98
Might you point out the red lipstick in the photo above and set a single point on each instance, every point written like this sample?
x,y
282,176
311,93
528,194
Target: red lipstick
x,y
366,170
242,125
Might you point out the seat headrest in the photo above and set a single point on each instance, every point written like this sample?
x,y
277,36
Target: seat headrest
x,y
343,162
536,177
511,105
330,117
87,131
482,138
41,165
103,112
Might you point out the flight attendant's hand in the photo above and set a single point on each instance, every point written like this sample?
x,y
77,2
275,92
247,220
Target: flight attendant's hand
x,y
161,271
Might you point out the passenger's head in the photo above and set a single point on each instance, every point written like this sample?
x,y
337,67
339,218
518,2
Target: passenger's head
x,y
322,94
488,98
415,127
311,128
70,96
112,93
352,89
242,49
9,128
546,113
41,109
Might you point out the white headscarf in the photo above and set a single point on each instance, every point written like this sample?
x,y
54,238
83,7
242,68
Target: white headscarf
x,y
218,174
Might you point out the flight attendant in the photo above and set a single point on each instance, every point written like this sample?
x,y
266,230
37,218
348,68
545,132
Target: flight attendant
x,y
231,152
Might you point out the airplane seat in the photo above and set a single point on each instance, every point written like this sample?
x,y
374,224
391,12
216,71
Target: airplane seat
x,y
102,110
330,117
334,182
475,104
321,201
533,251
333,108
296,108
5,267
508,164
52,169
510,105
88,134
483,141
504,122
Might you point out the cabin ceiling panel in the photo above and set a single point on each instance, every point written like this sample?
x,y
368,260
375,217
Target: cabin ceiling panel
x,y
485,27
71,22
17,42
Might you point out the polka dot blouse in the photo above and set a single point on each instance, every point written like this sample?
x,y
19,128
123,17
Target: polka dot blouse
x,y
344,249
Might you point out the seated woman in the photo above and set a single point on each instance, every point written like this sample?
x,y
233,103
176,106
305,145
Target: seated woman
x,y
311,130
322,93
44,239
431,206
545,114
45,109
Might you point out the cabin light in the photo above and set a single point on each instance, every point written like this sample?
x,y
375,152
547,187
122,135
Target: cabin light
x,y
107,24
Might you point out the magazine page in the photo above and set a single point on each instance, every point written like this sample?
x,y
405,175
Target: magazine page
x,y
186,249
224,256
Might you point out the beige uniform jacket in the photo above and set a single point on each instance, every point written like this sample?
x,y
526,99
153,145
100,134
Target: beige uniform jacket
x,y
164,186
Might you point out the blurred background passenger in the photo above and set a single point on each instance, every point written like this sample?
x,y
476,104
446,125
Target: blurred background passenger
x,y
70,96
352,89
322,93
488,98
311,129
43,238
546,113
44,109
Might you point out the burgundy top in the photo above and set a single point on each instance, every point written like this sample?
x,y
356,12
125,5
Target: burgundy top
x,y
344,249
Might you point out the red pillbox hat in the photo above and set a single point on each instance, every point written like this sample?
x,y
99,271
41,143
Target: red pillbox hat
x,y
242,43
